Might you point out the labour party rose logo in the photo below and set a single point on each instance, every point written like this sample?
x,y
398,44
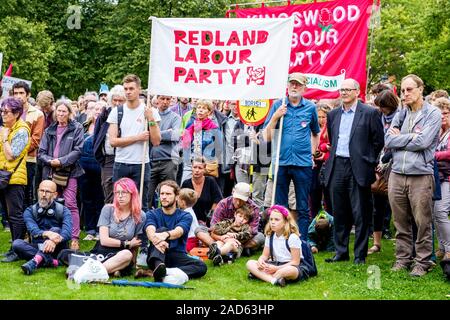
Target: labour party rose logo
x,y
256,75
325,18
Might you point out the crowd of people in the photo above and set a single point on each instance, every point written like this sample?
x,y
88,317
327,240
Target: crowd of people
x,y
152,178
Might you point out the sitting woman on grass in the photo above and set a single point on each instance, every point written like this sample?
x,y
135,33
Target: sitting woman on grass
x,y
282,259
119,226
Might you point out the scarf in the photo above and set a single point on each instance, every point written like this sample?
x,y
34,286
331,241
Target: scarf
x,y
196,126
386,120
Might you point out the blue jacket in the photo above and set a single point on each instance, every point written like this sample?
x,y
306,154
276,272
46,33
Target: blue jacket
x,y
45,222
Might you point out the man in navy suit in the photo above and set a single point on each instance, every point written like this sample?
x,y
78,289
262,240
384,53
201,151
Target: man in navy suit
x,y
356,137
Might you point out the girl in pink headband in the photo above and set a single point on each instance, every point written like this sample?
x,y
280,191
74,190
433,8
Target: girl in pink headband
x,y
280,259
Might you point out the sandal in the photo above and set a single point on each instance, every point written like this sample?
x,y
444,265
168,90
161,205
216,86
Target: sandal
x,y
375,248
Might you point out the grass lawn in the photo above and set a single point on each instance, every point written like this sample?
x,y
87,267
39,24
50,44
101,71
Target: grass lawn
x,y
335,281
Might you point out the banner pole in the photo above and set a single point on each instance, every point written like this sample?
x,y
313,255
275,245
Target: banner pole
x,y
141,185
277,158
374,8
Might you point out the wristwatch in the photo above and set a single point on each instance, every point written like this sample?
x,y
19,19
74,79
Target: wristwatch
x,y
168,235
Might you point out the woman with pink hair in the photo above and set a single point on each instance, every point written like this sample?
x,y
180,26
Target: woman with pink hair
x,y
119,225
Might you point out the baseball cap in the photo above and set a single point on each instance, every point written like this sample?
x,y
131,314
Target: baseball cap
x,y
241,191
299,77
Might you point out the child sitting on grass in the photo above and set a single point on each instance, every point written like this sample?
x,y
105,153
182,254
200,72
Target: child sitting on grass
x,y
229,236
186,200
285,257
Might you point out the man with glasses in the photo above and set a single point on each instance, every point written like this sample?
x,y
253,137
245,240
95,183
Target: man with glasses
x,y
50,227
299,141
413,137
356,137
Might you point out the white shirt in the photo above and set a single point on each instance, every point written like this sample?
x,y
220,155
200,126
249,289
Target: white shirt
x,y
194,224
280,251
133,123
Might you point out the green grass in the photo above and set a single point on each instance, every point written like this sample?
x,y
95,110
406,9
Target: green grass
x,y
335,281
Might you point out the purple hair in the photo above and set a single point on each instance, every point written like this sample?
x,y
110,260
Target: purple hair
x,y
280,209
15,105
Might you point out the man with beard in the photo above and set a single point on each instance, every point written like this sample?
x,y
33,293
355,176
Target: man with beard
x,y
167,229
50,227
299,141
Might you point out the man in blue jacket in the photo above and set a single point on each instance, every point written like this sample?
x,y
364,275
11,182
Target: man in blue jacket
x,y
50,227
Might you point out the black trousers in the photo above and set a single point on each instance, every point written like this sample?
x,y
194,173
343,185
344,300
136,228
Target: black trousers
x,y
352,204
12,201
194,268
30,187
160,171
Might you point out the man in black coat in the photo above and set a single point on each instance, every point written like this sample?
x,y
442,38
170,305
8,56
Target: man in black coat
x,y
356,137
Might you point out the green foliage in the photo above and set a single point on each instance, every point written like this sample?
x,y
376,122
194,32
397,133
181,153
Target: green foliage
x,y
27,46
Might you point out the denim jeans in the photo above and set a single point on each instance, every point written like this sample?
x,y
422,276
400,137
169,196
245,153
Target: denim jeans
x,y
27,251
194,268
301,176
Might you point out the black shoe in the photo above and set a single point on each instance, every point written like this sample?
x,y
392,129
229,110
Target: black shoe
x,y
7,253
387,235
280,282
251,276
217,260
359,261
29,267
159,272
247,252
337,259
213,251
11,257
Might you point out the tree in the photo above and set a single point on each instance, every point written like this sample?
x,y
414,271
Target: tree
x,y
28,47
431,60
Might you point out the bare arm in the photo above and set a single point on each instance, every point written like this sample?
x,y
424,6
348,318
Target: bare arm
x,y
125,141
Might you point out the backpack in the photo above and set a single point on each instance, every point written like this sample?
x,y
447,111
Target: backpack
x,y
100,131
308,264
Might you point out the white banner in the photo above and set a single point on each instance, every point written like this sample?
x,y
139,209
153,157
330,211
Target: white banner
x,y
8,82
1,61
225,59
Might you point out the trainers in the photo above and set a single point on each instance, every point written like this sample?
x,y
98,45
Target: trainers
x,y
251,276
213,251
29,267
280,282
10,257
246,252
89,237
418,271
398,266
159,272
217,260
142,273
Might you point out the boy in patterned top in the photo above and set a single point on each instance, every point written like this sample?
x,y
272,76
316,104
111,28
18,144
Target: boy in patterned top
x,y
229,235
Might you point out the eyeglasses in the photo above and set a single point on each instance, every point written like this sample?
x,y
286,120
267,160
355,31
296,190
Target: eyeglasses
x,y
408,89
121,193
5,111
46,191
346,90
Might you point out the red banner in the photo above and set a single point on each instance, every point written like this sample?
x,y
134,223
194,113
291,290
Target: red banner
x,y
329,42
